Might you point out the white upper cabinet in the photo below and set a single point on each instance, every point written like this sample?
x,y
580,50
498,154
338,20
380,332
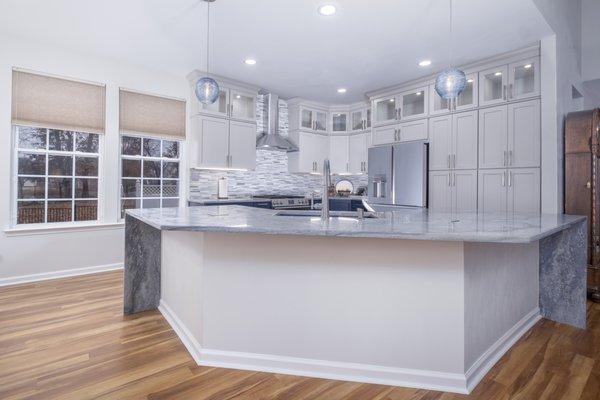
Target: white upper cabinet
x,y
437,104
469,97
242,105
357,121
493,86
313,150
413,103
453,141
306,119
524,134
242,145
385,134
385,111
219,107
524,79
464,140
493,129
339,122
339,154
320,121
414,130
312,120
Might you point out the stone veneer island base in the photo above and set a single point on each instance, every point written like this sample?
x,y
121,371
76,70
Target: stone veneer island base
x,y
413,298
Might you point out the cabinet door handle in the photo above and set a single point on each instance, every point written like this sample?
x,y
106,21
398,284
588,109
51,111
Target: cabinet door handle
x,y
510,91
503,178
448,161
510,157
504,158
509,178
503,92
396,116
449,178
454,179
453,160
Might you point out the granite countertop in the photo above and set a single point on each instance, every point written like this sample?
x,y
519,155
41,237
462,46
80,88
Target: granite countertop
x,y
253,200
419,224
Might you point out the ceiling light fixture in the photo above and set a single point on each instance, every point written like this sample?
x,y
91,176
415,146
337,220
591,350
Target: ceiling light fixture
x,y
250,61
341,90
451,81
327,10
207,89
425,63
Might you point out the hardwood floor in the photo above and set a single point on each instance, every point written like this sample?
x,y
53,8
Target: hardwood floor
x,y
68,339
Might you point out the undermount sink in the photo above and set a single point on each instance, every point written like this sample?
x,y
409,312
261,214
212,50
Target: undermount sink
x,y
332,214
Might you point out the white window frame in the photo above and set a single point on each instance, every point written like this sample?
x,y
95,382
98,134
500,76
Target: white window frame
x,y
15,181
141,198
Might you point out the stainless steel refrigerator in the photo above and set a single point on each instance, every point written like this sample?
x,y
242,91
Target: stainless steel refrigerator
x,y
398,174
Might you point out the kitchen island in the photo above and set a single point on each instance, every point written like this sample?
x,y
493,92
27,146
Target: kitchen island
x,y
412,298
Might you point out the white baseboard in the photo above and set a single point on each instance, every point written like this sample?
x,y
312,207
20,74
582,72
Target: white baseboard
x,y
491,356
421,379
59,274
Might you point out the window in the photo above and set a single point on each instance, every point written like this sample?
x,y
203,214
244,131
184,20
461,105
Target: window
x,y
149,172
56,175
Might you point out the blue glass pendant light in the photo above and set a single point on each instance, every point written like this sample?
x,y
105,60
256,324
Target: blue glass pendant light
x,y
451,81
207,89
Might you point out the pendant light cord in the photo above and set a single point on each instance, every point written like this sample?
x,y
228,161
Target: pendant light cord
x,y
451,36
207,37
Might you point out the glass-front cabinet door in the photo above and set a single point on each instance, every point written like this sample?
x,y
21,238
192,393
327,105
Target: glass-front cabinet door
x,y
438,105
384,110
414,103
320,121
492,85
523,79
368,118
339,121
219,107
468,97
357,120
306,118
242,106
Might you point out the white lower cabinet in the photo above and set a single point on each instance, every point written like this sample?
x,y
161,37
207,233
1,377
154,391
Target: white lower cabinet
x,y
509,190
339,154
453,191
313,150
222,143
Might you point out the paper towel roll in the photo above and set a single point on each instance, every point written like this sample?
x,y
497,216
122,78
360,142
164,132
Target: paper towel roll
x,y
222,188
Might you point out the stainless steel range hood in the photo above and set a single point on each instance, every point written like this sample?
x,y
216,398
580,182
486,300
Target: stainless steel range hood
x,y
272,139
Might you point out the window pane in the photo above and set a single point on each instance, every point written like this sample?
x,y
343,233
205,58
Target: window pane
x,y
170,203
86,210
60,140
131,188
151,203
132,168
131,146
30,212
32,164
151,187
60,211
151,148
151,169
170,149
87,142
130,204
86,188
170,169
31,188
86,166
32,138
170,188
60,165
60,188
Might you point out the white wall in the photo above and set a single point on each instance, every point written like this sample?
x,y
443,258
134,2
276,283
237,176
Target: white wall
x,y
590,39
564,50
28,254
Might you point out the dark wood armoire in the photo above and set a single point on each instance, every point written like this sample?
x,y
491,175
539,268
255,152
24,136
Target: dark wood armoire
x,y
582,183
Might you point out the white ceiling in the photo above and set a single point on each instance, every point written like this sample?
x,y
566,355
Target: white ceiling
x,y
367,45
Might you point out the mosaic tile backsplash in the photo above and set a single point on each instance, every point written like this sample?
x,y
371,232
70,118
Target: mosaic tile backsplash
x,y
271,176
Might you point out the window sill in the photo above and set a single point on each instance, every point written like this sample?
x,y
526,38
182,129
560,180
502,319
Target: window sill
x,y
61,228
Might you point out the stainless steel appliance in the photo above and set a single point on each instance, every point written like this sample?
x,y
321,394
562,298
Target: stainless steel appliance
x,y
283,202
398,174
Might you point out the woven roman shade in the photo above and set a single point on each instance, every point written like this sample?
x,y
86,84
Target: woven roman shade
x,y
49,102
149,114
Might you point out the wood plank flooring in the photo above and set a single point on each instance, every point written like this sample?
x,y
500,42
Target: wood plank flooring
x,y
68,339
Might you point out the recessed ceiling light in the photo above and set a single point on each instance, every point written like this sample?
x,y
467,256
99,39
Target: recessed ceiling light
x,y
498,73
327,9
425,63
250,61
341,90
527,66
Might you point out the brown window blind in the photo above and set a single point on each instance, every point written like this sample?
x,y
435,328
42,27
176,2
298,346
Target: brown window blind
x,y
153,115
49,102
